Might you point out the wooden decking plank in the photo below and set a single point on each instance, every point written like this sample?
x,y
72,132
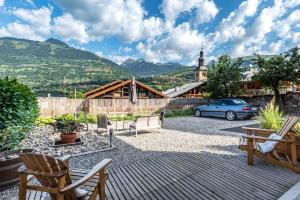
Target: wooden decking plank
x,y
190,183
127,186
163,170
116,188
211,184
151,177
167,181
234,171
236,182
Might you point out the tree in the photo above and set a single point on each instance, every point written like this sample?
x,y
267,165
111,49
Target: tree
x,y
224,78
274,71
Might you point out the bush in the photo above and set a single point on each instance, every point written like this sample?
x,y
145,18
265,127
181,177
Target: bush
x,y
44,121
270,117
18,112
178,113
122,117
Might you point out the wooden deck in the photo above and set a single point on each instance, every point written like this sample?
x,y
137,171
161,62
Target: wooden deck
x,y
198,176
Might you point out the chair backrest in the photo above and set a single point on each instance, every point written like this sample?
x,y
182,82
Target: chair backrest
x,y
154,120
52,169
142,121
287,126
102,120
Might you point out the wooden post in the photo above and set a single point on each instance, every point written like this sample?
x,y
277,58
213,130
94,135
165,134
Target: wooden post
x,y
22,186
101,185
293,149
250,149
61,184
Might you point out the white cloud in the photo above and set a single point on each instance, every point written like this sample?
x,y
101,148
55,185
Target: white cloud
x,y
181,42
283,27
233,26
206,9
2,3
32,24
115,58
107,18
153,26
255,39
69,29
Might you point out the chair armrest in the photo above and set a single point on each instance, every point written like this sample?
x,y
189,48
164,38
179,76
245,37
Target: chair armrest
x,y
24,170
65,159
258,129
96,169
267,139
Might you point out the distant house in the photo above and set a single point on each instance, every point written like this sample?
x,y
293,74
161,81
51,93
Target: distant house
x,y
120,89
192,90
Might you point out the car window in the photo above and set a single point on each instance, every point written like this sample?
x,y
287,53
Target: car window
x,y
216,103
238,101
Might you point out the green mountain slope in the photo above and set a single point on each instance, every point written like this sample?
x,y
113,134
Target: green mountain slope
x,y
146,69
179,77
54,67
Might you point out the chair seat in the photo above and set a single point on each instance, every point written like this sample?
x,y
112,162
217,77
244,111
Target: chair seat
x,y
75,174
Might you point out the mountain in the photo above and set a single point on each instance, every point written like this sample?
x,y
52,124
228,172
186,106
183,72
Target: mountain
x,y
179,77
145,69
54,67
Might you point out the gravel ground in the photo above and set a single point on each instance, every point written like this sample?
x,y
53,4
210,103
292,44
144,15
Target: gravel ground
x,y
181,134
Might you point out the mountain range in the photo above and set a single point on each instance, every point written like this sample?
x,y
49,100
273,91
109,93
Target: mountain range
x,y
54,67
143,68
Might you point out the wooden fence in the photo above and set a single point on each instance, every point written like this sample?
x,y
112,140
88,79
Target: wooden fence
x,y
54,106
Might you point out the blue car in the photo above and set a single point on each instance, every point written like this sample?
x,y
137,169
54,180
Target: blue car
x,y
229,108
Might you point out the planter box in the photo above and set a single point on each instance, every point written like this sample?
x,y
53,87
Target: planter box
x,y
8,169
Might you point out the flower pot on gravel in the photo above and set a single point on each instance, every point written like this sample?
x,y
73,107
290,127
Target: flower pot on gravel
x,y
9,167
67,138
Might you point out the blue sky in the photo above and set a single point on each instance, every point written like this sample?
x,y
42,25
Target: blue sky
x,y
158,30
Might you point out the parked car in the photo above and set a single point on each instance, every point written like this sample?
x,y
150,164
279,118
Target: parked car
x,y
229,108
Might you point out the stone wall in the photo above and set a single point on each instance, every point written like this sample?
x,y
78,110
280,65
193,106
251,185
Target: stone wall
x,y
291,102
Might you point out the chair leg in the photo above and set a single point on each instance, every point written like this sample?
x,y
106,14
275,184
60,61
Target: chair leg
x,y
135,132
101,185
250,149
22,186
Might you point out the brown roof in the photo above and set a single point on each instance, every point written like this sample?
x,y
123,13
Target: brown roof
x,y
117,84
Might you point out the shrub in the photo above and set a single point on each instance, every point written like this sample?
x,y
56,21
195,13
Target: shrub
x,y
44,121
18,112
122,117
270,117
297,129
178,113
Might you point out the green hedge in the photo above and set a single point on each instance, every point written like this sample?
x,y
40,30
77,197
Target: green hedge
x,y
18,112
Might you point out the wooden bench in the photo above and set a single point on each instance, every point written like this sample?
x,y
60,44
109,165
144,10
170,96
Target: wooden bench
x,y
145,123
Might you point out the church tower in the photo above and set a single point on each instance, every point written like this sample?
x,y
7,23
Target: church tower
x,y
201,70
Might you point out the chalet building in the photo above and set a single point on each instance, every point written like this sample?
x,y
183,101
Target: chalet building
x,y
195,89
120,89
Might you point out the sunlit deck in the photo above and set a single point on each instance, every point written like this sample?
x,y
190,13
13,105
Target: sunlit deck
x,y
199,176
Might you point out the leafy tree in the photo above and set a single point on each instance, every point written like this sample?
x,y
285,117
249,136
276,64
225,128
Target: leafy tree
x,y
224,78
18,112
274,71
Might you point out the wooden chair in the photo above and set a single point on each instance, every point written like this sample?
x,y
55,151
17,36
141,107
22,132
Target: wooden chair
x,y
284,137
103,122
57,181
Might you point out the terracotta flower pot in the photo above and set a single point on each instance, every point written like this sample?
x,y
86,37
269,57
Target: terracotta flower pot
x,y
68,138
8,168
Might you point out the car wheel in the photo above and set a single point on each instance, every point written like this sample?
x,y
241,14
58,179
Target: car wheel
x,y
230,115
198,113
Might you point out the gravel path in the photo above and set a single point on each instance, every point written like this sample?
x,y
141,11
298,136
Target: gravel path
x,y
182,134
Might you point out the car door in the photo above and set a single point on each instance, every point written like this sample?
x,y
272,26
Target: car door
x,y
213,108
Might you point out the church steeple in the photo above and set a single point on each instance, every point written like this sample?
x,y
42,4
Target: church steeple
x,y
201,58
201,70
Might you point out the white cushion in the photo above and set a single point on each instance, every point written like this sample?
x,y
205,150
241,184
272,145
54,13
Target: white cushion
x,y
80,193
268,146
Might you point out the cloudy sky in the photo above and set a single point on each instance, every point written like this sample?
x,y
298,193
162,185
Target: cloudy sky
x,y
158,30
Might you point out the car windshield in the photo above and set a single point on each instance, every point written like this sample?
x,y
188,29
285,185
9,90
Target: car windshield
x,y
234,102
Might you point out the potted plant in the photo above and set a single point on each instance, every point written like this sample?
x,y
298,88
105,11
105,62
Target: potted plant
x,y
67,129
18,112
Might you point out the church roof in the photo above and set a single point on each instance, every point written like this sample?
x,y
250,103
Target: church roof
x,y
174,92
